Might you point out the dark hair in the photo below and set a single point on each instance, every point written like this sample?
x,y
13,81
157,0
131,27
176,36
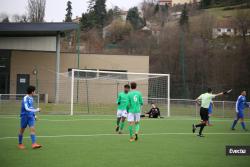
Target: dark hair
x,y
133,85
30,89
209,90
127,86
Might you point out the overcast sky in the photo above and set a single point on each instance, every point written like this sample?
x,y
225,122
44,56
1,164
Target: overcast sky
x,y
55,9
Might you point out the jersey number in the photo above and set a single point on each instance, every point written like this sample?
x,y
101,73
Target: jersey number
x,y
135,98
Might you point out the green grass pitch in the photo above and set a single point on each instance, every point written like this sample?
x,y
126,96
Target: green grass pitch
x,y
90,141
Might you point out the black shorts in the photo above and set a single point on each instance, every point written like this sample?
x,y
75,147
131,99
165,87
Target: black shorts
x,y
204,114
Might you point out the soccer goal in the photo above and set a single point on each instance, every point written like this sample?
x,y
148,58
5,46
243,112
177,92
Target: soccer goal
x,y
10,104
95,92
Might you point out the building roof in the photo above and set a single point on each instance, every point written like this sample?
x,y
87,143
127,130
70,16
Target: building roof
x,y
35,29
226,23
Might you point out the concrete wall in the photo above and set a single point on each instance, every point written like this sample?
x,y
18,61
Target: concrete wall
x,y
24,62
28,43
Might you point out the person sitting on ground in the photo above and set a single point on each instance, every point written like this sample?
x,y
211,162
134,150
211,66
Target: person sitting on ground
x,y
154,112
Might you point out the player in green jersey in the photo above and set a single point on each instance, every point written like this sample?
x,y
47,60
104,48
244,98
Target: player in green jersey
x,y
135,102
122,102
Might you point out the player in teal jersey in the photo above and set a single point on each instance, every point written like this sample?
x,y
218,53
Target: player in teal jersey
x,y
135,102
122,102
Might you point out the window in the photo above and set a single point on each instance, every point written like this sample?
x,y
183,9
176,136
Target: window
x,y
111,75
219,30
228,30
83,74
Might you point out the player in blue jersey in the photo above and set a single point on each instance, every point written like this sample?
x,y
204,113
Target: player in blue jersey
x,y
241,104
210,112
27,118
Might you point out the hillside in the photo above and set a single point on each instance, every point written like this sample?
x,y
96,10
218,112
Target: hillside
x,y
225,12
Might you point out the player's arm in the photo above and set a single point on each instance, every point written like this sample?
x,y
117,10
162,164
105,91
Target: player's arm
x,y
198,99
223,93
118,101
30,108
246,104
149,111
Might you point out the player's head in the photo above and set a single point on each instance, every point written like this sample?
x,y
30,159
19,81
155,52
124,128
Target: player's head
x,y
153,105
209,90
133,85
243,93
31,90
126,88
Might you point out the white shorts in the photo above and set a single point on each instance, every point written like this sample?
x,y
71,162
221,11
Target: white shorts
x,y
134,117
122,113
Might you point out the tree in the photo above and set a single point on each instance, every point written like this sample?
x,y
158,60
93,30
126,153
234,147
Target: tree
x,y
205,3
100,13
134,18
96,15
242,20
148,9
184,24
162,11
4,18
68,16
184,16
36,10
85,22
113,14
118,31
20,18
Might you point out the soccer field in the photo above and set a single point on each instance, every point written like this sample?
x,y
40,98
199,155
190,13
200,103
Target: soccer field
x,y
91,141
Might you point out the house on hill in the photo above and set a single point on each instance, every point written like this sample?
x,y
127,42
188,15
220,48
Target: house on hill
x,y
177,2
224,28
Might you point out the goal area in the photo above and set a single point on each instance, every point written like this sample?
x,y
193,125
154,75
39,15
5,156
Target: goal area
x,y
95,92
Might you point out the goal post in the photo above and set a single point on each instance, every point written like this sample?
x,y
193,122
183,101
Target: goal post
x,y
96,91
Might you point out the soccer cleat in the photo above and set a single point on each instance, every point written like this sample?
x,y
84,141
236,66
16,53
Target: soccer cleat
x,y
232,128
131,139
117,128
35,146
194,128
21,146
136,137
200,135
245,130
120,132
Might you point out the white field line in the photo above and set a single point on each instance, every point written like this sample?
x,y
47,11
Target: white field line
x,y
113,119
98,135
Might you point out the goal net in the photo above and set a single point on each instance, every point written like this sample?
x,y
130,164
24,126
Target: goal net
x,y
95,92
10,104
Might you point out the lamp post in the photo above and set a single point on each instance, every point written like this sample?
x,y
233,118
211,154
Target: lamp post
x,y
35,72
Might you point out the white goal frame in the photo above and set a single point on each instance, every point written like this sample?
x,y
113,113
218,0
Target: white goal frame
x,y
113,72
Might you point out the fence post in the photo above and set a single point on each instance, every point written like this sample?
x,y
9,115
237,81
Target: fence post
x,y
223,108
196,110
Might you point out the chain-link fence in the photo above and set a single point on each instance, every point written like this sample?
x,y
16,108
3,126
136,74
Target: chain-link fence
x,y
188,107
10,104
